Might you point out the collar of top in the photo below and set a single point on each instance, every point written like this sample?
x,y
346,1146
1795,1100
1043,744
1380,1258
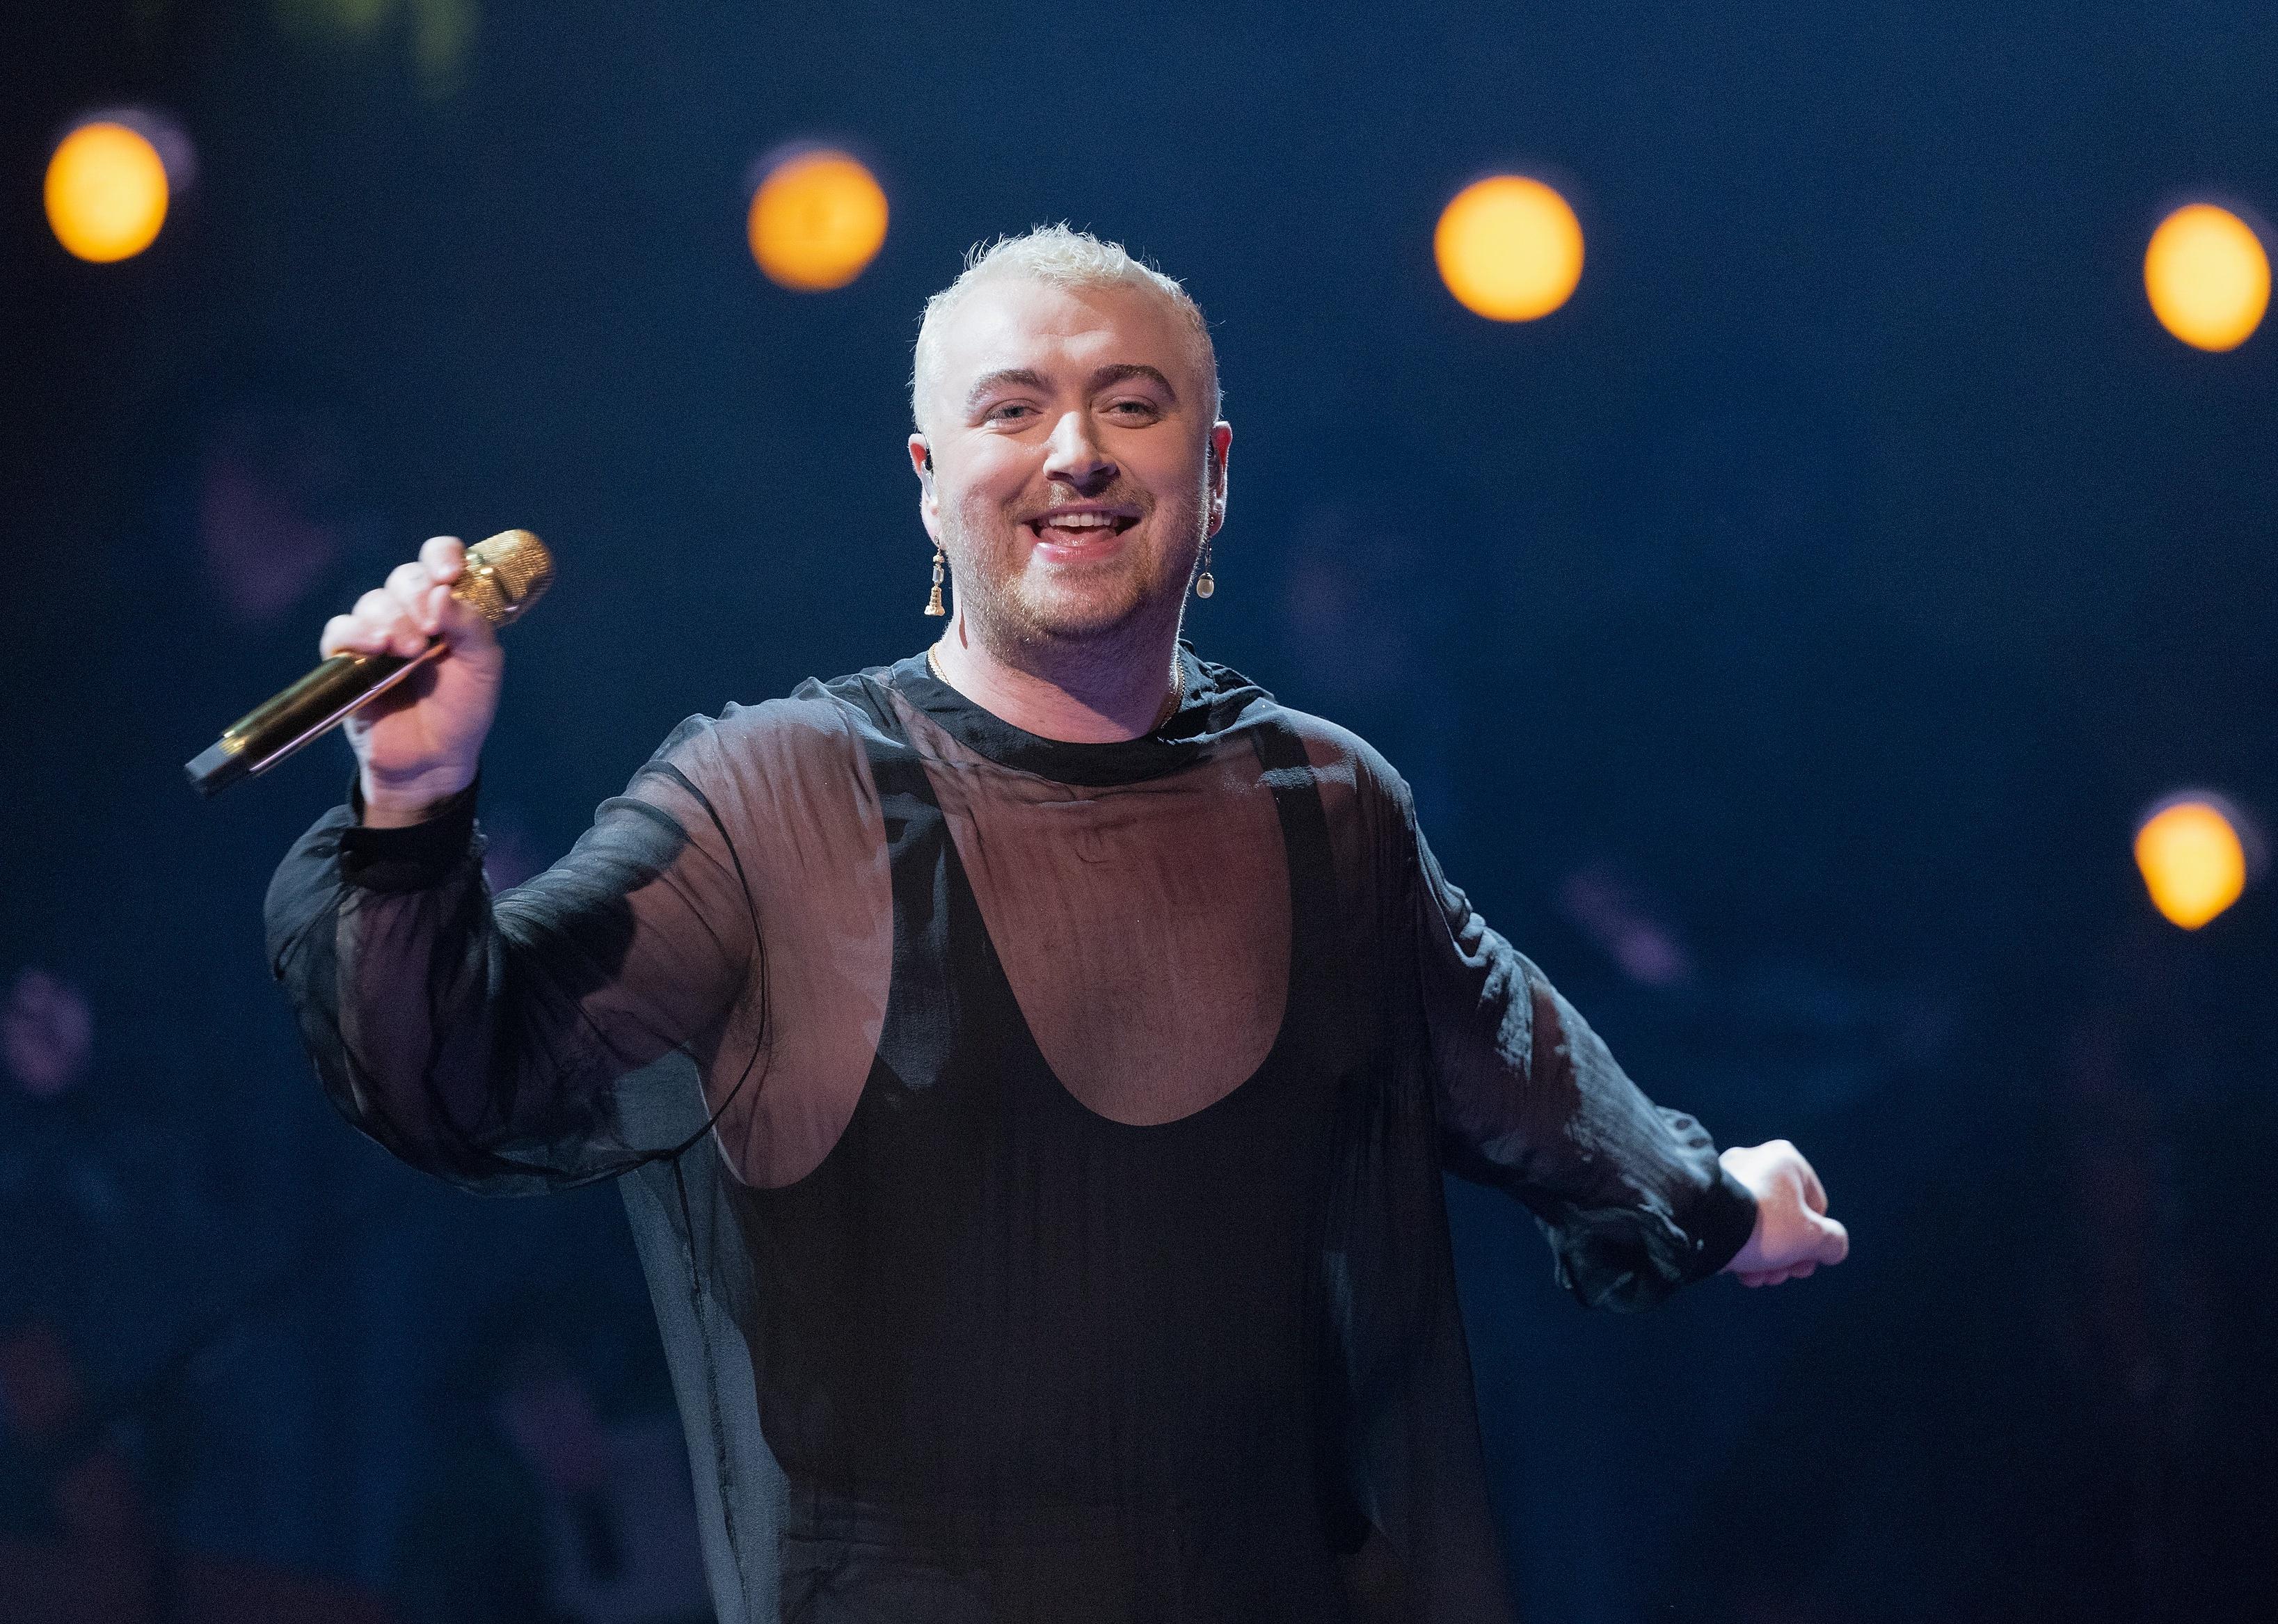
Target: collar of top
x,y
1210,698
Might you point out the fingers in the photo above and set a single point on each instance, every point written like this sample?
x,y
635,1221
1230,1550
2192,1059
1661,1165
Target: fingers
x,y
413,607
444,556
407,581
444,560
1814,1193
377,625
420,596
342,635
1774,1276
1834,1241
441,561
1830,1242
393,618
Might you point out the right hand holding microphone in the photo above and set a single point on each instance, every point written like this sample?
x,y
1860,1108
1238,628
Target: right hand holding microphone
x,y
421,740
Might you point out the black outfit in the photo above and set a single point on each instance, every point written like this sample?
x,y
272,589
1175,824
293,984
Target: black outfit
x,y
1035,1147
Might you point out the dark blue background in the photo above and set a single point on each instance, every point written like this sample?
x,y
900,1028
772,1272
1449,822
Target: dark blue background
x,y
1834,579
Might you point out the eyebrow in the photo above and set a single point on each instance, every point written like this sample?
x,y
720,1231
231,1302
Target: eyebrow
x,y
1028,378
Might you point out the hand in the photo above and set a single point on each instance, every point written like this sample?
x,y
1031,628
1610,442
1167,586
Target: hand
x,y
1793,1235
422,739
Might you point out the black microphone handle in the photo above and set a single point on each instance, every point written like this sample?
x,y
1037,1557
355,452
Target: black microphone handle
x,y
267,734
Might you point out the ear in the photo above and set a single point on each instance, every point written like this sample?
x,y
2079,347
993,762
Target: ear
x,y
1215,452
921,464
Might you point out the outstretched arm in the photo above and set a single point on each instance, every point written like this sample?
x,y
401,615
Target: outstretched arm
x,y
480,1042
1633,1196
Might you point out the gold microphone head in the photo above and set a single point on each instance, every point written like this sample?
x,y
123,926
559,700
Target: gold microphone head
x,y
504,576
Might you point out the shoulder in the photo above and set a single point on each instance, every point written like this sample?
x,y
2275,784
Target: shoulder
x,y
796,755
1338,755
1365,802
1345,763
1370,825
814,725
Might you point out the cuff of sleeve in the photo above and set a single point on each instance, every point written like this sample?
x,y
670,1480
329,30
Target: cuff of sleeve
x,y
1722,1225
416,856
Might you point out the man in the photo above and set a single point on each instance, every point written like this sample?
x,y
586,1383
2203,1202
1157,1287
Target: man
x,y
1036,1058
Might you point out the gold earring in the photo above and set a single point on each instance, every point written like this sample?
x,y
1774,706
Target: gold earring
x,y
940,574
1203,584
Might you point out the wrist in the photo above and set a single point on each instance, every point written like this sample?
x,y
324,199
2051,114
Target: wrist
x,y
398,803
1750,1253
1732,1230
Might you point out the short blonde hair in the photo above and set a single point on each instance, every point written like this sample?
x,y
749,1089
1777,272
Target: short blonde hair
x,y
1064,257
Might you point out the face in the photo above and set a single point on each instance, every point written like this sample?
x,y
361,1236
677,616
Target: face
x,y
1076,467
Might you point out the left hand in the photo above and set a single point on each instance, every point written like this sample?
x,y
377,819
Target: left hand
x,y
1793,1235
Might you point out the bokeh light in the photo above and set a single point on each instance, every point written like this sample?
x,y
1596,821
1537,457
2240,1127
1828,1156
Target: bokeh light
x,y
106,192
270,500
817,220
1509,248
46,1033
2208,277
2193,860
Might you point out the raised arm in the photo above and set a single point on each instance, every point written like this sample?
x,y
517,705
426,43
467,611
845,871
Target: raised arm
x,y
1634,1197
484,1043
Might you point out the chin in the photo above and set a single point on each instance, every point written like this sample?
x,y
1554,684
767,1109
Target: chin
x,y
1077,604
1074,616
1073,623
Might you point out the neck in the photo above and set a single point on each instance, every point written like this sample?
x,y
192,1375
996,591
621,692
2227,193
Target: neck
x,y
1102,692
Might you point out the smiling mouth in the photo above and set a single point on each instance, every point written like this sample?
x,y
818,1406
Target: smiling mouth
x,y
1076,528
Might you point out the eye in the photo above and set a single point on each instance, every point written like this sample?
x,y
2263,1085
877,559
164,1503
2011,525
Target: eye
x,y
1008,412
1135,409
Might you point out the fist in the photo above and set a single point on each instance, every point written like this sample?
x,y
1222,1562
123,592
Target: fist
x,y
422,739
1793,1234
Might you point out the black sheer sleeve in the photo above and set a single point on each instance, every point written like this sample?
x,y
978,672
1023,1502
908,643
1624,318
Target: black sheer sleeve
x,y
1631,1195
485,1042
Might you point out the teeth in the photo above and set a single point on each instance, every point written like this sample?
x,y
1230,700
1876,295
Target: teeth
x,y
1077,521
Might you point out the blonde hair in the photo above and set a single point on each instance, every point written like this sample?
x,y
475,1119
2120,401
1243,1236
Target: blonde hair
x,y
1064,257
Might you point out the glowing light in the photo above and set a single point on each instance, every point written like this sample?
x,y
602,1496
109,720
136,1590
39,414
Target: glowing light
x,y
1509,248
817,220
106,192
2194,862
46,1030
2208,277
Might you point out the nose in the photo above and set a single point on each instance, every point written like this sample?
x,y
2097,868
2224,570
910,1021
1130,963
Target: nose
x,y
1076,458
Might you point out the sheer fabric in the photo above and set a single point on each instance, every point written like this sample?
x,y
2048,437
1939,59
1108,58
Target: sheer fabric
x,y
909,1028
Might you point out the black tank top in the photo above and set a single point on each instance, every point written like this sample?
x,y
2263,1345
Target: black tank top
x,y
1022,1361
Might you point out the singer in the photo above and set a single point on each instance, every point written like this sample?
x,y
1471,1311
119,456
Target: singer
x,y
1030,1065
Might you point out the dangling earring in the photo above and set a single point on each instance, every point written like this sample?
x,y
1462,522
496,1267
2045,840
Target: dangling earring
x,y
1203,584
940,574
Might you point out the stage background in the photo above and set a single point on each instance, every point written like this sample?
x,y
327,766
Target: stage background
x,y
1812,606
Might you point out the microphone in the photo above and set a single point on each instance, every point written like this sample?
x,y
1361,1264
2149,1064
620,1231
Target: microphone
x,y
503,577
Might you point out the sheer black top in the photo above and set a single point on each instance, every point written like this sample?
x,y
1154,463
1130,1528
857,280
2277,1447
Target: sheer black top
x,y
1036,1147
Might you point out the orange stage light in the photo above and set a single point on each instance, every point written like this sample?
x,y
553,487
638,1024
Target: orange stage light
x,y
2207,276
1509,248
2193,861
817,221
106,192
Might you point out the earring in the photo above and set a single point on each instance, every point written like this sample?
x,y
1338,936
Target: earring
x,y
940,574
1203,584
